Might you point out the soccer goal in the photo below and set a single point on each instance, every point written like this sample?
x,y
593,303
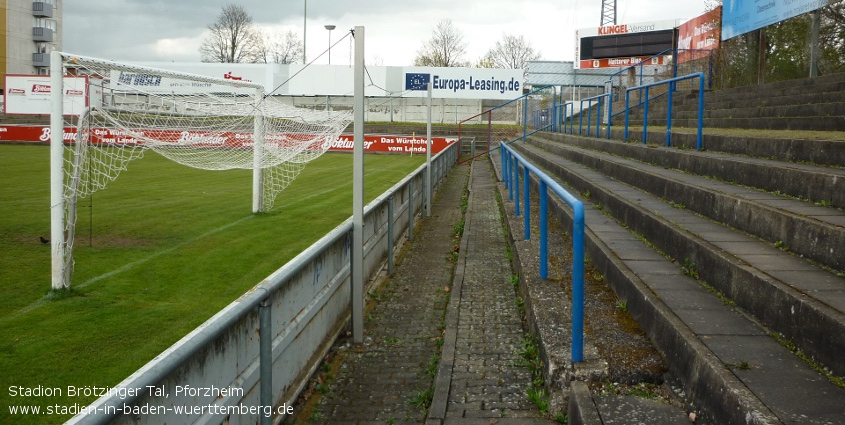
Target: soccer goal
x,y
110,113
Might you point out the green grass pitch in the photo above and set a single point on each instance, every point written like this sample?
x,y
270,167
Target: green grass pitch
x,y
159,251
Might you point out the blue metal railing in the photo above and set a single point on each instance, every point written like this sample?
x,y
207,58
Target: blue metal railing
x,y
599,102
510,173
670,82
536,121
567,114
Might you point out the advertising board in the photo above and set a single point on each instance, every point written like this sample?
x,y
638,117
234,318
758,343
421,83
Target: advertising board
x,y
104,136
464,83
742,16
30,94
594,47
698,34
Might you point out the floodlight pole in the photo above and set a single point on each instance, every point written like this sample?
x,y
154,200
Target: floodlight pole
x,y
358,193
428,187
57,206
330,28
304,28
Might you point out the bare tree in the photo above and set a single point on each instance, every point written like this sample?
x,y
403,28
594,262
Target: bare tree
x,y
233,38
446,47
512,52
485,61
277,47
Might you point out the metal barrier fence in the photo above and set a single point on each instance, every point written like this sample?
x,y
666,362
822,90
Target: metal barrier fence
x,y
531,104
609,104
511,161
257,353
670,82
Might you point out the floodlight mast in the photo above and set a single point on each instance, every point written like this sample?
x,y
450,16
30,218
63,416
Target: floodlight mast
x,y
608,12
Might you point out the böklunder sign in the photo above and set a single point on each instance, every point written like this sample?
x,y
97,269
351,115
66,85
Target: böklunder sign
x,y
227,139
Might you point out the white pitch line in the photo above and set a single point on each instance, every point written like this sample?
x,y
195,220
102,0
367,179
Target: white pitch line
x,y
127,267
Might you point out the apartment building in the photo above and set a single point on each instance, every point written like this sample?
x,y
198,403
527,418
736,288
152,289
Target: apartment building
x,y
31,29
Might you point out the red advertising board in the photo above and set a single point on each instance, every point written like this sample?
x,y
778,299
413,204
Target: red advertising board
x,y
624,62
344,143
699,34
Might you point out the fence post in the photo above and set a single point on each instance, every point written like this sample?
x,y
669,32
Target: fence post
x,y
516,185
510,176
390,235
669,117
504,168
526,179
609,111
525,119
645,116
700,112
578,283
411,210
544,229
265,344
580,118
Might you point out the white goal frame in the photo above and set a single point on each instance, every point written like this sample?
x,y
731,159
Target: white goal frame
x,y
63,215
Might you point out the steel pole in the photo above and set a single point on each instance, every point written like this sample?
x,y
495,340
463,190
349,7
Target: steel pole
x,y
358,194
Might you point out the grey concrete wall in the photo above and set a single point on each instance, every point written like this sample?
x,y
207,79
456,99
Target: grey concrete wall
x,y
309,299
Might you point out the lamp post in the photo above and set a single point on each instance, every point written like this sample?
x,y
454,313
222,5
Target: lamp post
x,y
330,28
304,27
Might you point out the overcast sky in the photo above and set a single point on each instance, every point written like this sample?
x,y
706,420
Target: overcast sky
x,y
168,30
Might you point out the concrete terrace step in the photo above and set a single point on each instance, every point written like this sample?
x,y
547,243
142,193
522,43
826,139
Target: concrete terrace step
x,y
803,85
816,147
689,101
814,183
815,232
821,110
730,366
755,268
826,123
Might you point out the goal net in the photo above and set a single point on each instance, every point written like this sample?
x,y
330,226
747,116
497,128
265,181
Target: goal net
x,y
112,113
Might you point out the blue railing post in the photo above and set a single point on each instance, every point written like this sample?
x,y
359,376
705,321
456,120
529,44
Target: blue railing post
x,y
502,157
580,119
589,116
525,119
577,206
699,141
645,116
669,117
526,216
609,110
598,116
578,283
627,110
544,229
516,184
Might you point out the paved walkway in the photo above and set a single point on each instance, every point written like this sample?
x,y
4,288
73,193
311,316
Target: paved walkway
x,y
481,374
423,362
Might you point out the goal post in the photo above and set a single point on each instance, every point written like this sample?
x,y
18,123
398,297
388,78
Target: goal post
x,y
125,110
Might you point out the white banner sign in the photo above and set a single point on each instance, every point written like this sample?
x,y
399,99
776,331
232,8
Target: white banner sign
x,y
464,83
31,95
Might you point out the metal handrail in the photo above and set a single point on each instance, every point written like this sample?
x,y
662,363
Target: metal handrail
x,y
598,100
510,174
671,81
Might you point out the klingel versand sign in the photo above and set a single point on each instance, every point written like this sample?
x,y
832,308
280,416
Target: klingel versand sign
x,y
465,83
